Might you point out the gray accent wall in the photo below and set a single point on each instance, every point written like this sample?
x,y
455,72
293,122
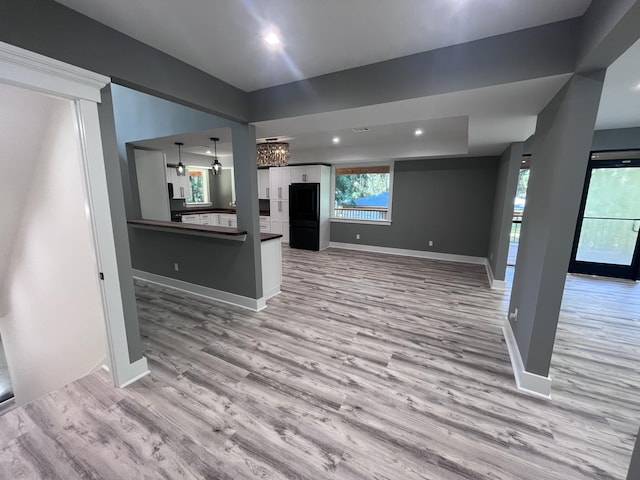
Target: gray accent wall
x,y
51,29
448,200
506,185
634,467
560,156
482,63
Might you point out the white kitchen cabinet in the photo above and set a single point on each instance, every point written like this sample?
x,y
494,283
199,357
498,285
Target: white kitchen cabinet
x,y
279,214
279,180
205,219
305,174
226,220
264,185
191,218
265,224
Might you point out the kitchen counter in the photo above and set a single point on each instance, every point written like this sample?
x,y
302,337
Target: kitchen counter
x,y
225,233
269,236
231,211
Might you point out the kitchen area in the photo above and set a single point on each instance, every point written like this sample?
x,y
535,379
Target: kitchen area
x,y
187,187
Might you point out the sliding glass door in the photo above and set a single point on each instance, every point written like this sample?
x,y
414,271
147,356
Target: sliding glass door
x,y
606,240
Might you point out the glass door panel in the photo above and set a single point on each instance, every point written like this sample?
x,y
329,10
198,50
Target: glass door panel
x,y
607,239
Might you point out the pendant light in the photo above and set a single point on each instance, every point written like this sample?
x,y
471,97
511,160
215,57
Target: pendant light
x,y
180,168
216,166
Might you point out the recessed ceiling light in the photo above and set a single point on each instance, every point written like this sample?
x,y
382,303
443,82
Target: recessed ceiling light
x,y
336,139
272,38
418,132
637,87
208,152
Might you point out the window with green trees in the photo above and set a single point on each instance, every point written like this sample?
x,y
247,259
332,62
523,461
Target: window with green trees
x,y
198,185
362,193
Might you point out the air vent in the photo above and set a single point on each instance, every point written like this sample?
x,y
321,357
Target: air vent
x,y
360,130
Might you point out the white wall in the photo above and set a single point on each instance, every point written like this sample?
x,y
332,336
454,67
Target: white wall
x,y
52,322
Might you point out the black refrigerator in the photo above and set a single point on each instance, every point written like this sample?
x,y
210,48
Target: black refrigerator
x,y
304,216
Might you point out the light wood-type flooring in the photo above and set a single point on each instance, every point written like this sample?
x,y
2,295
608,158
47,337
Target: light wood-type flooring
x,y
366,366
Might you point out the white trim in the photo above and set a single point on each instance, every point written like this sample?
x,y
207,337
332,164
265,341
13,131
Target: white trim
x,y
449,257
255,304
354,220
23,67
36,72
137,370
527,382
272,292
493,283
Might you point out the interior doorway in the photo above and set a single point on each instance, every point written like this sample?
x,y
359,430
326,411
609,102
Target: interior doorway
x,y
607,241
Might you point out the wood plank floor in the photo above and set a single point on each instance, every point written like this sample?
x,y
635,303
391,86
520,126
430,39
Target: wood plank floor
x,y
366,366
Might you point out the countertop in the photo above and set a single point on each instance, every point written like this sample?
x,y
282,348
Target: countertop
x,y
207,230
228,211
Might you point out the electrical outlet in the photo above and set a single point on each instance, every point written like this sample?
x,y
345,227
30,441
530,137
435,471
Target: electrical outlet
x,y
514,315
176,267
357,236
491,256
431,243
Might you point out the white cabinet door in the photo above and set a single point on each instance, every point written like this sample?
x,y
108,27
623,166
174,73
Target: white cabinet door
x,y
195,218
264,185
305,174
279,180
265,224
276,226
279,210
205,219
227,220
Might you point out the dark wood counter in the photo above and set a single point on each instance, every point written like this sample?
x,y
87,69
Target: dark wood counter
x,y
225,233
269,236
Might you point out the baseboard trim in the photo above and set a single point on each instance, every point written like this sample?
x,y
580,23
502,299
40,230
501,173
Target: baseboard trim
x,y
527,382
493,283
137,370
449,257
255,304
267,294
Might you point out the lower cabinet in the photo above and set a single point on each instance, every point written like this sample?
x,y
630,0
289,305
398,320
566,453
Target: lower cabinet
x,y
195,218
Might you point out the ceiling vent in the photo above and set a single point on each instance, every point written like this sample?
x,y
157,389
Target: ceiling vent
x,y
360,130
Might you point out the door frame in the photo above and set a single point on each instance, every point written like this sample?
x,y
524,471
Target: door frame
x,y
42,74
630,272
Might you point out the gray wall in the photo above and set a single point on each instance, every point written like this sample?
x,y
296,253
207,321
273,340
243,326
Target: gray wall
x,y
490,61
449,201
51,29
560,155
118,219
634,467
617,139
140,116
506,185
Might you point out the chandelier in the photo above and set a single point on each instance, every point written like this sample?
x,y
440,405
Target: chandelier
x,y
272,153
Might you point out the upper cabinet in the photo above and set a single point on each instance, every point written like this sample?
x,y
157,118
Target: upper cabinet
x,y
264,186
279,180
306,174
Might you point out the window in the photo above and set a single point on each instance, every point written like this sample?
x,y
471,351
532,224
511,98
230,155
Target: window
x,y
362,193
198,185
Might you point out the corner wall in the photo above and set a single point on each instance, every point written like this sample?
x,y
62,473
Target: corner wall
x,y
506,185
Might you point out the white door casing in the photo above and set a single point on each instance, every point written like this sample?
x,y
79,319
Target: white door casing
x,y
36,72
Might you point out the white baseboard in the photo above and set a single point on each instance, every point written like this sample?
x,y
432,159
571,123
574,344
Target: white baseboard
x,y
493,283
137,370
449,257
267,294
255,304
527,382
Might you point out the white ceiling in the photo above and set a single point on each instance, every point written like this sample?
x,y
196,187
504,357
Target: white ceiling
x,y
224,37
620,102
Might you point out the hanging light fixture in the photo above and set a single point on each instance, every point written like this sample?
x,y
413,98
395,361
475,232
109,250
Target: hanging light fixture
x,y
216,166
272,153
180,168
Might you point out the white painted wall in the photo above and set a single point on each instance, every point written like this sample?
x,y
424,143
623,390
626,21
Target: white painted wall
x,y
51,322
